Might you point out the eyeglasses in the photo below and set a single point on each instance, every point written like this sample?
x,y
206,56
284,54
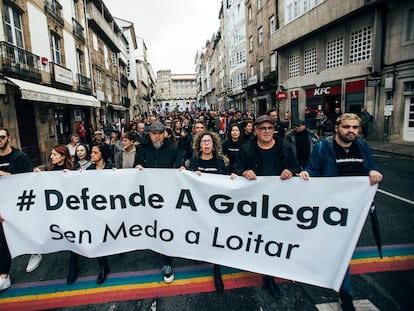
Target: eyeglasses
x,y
266,128
206,141
2,137
349,126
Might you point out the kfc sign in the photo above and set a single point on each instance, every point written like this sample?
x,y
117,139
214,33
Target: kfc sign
x,y
281,95
324,91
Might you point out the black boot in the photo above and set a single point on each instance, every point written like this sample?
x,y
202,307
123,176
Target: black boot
x,y
272,287
346,301
73,269
104,270
218,282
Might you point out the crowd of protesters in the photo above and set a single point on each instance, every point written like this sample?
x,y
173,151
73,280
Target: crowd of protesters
x,y
220,142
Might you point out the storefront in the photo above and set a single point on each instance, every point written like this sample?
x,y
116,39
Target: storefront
x,y
325,98
46,116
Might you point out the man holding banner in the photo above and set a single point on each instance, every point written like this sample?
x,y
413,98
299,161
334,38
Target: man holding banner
x,y
12,161
159,153
343,154
265,156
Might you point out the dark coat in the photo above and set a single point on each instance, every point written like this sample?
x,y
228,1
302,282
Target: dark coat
x,y
248,157
19,162
167,156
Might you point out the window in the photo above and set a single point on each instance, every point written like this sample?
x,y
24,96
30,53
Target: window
x,y
98,79
95,42
361,44
251,71
259,5
249,13
335,52
108,85
260,35
79,57
114,59
261,71
106,57
14,30
75,9
294,66
57,58
310,60
272,26
251,43
273,62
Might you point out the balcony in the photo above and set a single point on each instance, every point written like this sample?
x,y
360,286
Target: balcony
x,y
54,9
104,24
78,30
84,84
19,63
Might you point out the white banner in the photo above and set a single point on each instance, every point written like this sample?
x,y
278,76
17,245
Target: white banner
x,y
299,230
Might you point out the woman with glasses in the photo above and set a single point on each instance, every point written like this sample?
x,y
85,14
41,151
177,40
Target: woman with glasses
x,y
208,158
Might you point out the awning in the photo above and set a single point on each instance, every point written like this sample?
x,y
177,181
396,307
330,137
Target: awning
x,y
117,107
41,93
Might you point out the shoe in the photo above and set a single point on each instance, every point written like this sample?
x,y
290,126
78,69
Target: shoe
x,y
168,273
346,302
218,282
272,287
34,262
102,274
5,283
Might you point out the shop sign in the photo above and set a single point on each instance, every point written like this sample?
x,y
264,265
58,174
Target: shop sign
x,y
62,75
281,95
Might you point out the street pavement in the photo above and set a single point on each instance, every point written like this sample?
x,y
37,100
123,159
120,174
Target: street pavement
x,y
135,281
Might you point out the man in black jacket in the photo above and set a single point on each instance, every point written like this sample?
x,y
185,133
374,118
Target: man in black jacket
x,y
159,152
12,161
264,155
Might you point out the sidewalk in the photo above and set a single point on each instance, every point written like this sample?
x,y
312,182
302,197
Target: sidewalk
x,y
400,148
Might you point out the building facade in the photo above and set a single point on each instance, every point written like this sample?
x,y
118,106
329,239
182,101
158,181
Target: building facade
x,y
45,81
350,56
175,92
64,62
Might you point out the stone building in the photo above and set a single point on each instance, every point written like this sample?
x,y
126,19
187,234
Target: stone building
x,y
349,55
63,62
175,91
45,78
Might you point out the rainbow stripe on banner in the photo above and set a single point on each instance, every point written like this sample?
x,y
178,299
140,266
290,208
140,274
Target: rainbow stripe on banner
x,y
188,280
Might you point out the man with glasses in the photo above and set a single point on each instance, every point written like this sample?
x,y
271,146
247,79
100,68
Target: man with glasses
x,y
12,161
264,155
343,154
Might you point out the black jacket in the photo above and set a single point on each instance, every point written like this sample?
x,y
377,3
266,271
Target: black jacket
x,y
19,162
249,158
167,156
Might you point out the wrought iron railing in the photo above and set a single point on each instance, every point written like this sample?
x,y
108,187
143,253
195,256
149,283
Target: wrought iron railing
x,y
18,62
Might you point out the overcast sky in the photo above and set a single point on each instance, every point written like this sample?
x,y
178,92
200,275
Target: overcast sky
x,y
173,30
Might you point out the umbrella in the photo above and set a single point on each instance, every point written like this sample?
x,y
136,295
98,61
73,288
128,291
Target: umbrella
x,y
375,227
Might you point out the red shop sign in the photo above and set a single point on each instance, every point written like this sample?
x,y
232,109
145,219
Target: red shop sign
x,y
324,91
281,95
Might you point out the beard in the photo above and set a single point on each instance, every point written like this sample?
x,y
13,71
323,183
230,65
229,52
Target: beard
x,y
157,145
6,145
346,139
